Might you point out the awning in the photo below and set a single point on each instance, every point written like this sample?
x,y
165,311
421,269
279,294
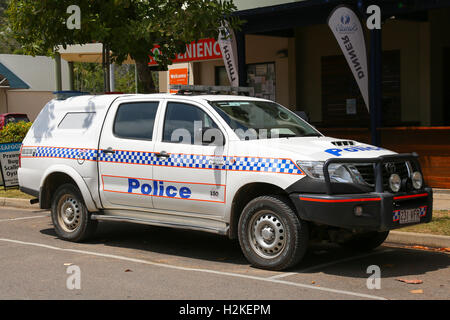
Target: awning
x,y
91,52
9,80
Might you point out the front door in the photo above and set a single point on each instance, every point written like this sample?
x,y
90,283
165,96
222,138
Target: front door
x,y
190,172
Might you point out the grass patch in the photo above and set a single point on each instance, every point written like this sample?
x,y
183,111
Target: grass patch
x,y
439,225
14,193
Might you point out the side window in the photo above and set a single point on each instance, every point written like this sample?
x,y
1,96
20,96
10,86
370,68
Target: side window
x,y
135,120
187,124
77,120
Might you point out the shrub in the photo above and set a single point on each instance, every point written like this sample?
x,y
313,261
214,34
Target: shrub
x,y
14,132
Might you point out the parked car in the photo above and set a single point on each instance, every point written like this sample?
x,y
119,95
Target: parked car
x,y
238,166
12,118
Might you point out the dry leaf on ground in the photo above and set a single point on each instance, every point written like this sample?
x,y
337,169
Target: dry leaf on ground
x,y
417,291
409,281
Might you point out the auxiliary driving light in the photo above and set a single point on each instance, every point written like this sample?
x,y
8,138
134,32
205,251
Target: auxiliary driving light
x,y
395,182
358,211
417,180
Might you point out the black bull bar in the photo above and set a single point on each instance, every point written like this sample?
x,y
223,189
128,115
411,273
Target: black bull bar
x,y
378,170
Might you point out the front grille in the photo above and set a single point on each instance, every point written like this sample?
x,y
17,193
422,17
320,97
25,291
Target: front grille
x,y
367,172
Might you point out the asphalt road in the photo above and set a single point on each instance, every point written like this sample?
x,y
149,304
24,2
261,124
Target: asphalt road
x,y
126,261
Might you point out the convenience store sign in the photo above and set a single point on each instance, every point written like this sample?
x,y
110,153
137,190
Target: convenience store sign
x,y
204,49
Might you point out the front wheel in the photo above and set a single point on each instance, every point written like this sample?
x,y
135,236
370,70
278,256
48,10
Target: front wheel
x,y
70,216
271,235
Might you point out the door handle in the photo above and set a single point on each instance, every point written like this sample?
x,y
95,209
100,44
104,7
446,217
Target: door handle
x,y
109,150
217,162
163,154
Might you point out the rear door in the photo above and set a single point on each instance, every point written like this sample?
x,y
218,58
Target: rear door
x,y
125,154
190,172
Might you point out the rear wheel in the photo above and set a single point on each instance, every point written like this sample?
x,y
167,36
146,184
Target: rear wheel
x,y
70,216
366,241
271,235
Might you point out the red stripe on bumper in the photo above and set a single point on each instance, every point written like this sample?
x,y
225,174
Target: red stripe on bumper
x,y
412,196
339,200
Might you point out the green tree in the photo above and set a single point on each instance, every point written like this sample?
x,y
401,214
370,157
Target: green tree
x,y
126,27
7,42
89,77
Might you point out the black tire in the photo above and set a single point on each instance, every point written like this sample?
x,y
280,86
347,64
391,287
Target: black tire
x,y
75,227
277,250
366,241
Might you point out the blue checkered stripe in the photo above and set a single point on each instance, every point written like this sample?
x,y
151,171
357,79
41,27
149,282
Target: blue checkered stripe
x,y
68,153
128,157
262,165
176,160
203,162
188,161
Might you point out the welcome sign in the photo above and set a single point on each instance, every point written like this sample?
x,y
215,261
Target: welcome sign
x,y
347,29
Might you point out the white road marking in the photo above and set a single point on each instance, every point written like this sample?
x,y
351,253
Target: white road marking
x,y
236,275
328,264
24,218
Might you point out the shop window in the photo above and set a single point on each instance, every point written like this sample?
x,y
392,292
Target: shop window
x,y
262,78
342,102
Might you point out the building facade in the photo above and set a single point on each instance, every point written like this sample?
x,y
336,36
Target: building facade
x,y
288,54
28,83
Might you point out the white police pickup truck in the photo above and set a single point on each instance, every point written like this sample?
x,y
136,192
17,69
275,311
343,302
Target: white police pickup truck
x,y
238,166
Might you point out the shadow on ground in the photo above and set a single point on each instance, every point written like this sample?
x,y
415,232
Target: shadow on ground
x,y
394,262
168,241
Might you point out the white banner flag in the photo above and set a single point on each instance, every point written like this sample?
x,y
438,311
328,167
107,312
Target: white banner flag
x,y
348,31
228,46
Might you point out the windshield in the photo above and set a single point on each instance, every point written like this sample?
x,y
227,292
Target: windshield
x,y
262,120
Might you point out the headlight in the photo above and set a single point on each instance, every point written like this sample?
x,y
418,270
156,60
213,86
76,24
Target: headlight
x,y
313,169
417,180
395,182
344,173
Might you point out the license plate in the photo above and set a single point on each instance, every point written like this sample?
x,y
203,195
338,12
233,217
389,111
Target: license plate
x,y
409,216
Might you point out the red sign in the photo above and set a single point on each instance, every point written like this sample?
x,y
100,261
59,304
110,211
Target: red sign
x,y
204,49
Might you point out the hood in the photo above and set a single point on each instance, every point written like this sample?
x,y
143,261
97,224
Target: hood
x,y
309,148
